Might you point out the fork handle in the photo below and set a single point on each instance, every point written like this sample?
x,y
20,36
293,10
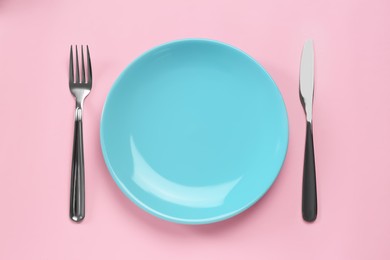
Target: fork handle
x,y
77,192
309,189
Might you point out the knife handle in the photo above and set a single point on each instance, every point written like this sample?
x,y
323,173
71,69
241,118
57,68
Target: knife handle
x,y
309,189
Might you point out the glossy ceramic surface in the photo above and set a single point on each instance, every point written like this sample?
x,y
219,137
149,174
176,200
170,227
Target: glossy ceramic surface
x,y
194,131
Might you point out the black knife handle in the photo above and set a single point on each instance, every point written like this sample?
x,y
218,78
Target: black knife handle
x,y
309,189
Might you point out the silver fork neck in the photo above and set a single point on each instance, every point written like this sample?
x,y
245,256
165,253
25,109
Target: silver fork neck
x,y
79,109
79,114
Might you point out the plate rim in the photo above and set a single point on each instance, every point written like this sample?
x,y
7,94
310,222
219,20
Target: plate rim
x,y
139,203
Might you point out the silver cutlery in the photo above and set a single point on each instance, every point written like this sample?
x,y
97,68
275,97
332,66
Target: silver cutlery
x,y
306,91
80,87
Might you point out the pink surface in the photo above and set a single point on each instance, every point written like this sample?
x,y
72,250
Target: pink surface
x,y
351,128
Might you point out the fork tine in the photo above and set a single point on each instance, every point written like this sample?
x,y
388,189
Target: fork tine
x,y
83,79
89,67
71,79
77,67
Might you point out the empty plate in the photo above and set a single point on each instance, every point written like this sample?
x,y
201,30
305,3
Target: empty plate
x,y
194,131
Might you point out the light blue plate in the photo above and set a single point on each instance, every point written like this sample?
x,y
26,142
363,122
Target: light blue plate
x,y
194,131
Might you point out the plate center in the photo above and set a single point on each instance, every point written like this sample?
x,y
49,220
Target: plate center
x,y
194,132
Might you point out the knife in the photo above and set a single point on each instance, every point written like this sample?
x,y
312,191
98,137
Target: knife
x,y
306,90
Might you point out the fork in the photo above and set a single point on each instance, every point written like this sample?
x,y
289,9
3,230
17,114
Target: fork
x,y
80,88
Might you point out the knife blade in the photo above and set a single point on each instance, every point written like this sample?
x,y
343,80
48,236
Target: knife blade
x,y
306,91
306,79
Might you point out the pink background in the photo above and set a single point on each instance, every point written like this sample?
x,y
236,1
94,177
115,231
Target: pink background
x,y
351,128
